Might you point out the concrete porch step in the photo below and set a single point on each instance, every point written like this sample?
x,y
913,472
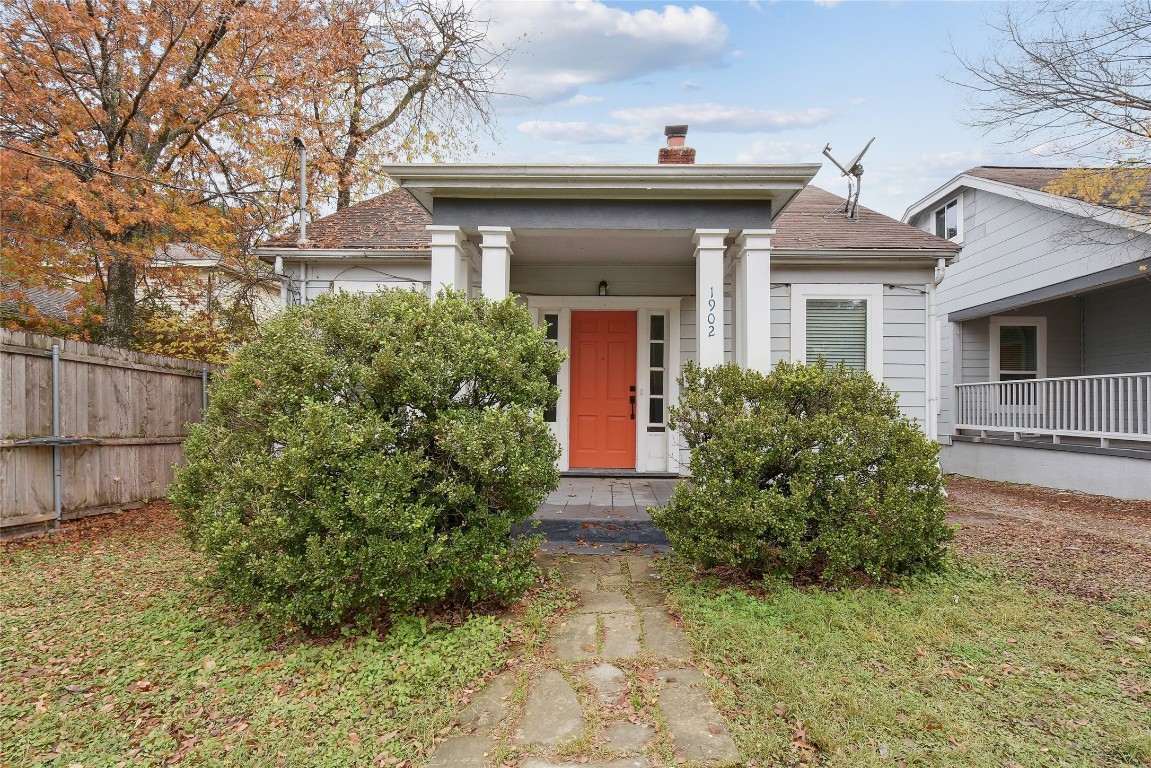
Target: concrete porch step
x,y
596,529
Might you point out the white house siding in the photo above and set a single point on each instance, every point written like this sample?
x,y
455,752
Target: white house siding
x,y
1117,330
1012,247
315,278
905,348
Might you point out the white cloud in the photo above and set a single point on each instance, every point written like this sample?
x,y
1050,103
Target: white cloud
x,y
575,132
563,46
857,101
717,117
691,85
581,99
771,151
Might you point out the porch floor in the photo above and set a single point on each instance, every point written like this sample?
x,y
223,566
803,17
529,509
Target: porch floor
x,y
613,498
603,515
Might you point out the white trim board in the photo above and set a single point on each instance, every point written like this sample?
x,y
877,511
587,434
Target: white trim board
x,y
873,293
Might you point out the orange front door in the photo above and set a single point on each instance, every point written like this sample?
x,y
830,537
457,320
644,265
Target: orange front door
x,y
603,390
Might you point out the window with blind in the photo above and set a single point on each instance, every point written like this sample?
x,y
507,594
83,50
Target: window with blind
x,y
837,331
839,323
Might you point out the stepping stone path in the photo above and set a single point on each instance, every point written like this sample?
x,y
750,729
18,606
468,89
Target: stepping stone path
x,y
616,687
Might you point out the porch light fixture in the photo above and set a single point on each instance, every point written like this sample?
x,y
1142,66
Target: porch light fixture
x,y
603,287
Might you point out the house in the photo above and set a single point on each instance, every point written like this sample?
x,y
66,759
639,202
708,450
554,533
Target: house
x,y
1045,327
634,269
190,279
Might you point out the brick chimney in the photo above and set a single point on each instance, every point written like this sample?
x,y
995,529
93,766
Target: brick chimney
x,y
675,153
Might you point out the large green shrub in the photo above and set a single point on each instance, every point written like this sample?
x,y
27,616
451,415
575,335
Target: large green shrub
x,y
372,453
809,469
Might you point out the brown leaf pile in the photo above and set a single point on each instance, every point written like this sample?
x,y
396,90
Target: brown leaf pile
x,y
1093,547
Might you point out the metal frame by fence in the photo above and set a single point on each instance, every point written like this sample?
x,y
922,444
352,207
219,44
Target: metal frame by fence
x,y
86,429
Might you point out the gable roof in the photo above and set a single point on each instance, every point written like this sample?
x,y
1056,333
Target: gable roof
x,y
1032,185
815,222
1116,180
49,302
392,221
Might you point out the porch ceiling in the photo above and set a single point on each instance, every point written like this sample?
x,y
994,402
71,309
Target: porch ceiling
x,y
602,247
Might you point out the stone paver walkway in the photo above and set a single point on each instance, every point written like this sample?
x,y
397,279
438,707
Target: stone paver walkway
x,y
616,687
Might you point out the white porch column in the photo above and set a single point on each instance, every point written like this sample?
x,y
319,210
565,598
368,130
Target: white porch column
x,y
449,269
709,295
753,288
496,268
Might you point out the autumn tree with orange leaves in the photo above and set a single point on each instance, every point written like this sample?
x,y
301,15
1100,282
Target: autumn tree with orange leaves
x,y
129,126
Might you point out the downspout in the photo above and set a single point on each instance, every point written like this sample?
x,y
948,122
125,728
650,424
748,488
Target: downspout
x,y
300,145
933,377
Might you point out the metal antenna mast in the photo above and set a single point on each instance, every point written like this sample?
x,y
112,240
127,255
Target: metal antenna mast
x,y
854,173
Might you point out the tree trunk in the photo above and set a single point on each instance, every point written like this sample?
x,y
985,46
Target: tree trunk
x,y
120,303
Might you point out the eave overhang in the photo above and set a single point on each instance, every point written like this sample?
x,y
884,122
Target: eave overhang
x,y
857,256
777,183
269,254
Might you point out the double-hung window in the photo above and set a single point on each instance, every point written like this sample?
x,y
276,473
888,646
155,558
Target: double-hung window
x,y
1018,348
947,220
838,323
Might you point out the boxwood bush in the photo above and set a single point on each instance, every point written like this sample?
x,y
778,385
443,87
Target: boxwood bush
x,y
809,470
371,453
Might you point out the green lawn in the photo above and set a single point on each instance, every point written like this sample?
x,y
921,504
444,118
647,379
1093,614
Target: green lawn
x,y
966,669
110,654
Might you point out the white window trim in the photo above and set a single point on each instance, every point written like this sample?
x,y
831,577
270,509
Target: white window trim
x,y
998,322
643,306
958,200
874,296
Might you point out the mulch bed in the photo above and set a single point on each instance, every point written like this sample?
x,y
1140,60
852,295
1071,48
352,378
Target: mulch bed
x,y
1093,547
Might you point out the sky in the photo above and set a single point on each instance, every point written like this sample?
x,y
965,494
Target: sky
x,y
757,82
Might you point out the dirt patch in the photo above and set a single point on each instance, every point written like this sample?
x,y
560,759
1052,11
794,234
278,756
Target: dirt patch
x,y
153,519
1090,546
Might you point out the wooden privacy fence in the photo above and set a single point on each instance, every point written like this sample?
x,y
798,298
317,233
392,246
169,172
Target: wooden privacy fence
x,y
86,429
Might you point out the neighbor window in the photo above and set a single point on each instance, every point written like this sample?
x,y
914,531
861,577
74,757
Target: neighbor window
x,y
947,220
1018,348
838,324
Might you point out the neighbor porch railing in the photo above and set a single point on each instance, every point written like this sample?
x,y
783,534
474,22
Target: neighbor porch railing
x,y
1110,407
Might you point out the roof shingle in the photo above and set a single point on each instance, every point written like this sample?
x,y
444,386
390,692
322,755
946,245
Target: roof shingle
x,y
1127,189
391,221
815,221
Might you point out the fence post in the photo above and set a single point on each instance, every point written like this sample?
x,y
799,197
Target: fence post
x,y
57,471
204,393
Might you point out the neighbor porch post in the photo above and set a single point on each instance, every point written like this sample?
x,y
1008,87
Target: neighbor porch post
x,y
449,268
753,285
496,267
709,252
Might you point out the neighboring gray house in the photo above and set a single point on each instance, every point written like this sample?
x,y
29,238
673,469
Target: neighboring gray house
x,y
635,269
1045,329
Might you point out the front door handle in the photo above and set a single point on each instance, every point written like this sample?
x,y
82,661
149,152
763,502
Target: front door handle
x,y
632,401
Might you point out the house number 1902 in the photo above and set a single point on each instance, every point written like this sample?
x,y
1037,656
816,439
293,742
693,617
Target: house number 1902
x,y
711,314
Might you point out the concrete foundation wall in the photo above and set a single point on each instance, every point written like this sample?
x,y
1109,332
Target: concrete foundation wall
x,y
1118,476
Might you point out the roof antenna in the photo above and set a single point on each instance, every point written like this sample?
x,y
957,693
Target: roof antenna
x,y
854,173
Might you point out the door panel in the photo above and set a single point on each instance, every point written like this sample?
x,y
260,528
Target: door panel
x,y
603,383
